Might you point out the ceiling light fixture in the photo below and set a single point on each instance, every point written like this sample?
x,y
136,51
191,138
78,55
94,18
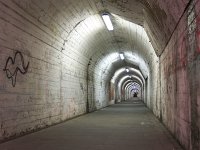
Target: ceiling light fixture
x,y
121,55
107,21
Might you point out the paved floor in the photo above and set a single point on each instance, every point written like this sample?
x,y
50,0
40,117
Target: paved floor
x,y
126,126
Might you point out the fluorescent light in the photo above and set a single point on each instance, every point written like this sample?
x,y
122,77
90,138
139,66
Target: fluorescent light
x,y
127,70
121,56
107,21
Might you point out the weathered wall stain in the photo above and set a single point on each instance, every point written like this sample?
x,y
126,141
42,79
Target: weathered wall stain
x,y
179,63
198,35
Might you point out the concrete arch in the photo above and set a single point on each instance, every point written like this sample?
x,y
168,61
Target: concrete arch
x,y
130,92
122,83
69,51
141,94
104,59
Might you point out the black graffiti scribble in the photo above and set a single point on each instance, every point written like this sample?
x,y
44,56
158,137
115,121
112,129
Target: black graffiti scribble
x,y
10,63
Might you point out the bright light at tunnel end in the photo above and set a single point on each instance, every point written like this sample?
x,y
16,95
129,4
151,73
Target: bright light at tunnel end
x,y
127,70
106,19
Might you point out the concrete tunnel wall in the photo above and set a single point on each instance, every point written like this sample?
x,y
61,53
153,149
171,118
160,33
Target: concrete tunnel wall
x,y
179,73
58,47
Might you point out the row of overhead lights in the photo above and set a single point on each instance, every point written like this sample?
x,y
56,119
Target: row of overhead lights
x,y
107,21
109,25
121,55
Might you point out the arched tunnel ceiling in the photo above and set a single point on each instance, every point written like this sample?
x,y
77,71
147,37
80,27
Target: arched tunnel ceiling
x,y
104,46
130,83
96,41
71,26
62,38
158,17
111,66
123,79
134,86
133,73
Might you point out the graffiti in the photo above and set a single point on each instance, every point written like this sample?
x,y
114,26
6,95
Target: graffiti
x,y
82,88
12,68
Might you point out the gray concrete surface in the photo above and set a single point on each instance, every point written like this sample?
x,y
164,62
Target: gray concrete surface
x,y
125,126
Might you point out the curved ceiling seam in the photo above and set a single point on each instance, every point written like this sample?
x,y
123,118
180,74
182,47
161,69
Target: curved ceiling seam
x,y
129,89
97,8
132,84
107,49
125,82
132,80
132,74
141,74
108,64
143,31
96,64
123,79
121,74
68,45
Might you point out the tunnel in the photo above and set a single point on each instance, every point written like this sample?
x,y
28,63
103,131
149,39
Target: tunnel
x,y
60,60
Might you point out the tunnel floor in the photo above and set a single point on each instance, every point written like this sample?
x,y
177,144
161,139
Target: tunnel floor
x,y
124,126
